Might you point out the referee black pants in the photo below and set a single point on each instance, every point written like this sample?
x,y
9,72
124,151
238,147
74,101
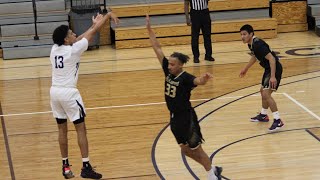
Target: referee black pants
x,y
200,19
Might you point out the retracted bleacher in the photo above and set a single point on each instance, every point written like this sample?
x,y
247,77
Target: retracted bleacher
x,y
314,12
18,29
168,21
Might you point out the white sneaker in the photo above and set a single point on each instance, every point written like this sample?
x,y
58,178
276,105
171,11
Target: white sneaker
x,y
211,174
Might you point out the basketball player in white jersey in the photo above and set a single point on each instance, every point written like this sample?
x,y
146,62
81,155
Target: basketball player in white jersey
x,y
66,101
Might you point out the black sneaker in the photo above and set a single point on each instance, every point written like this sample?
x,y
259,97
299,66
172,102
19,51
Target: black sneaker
x,y
88,172
218,172
260,118
66,172
277,124
209,59
196,60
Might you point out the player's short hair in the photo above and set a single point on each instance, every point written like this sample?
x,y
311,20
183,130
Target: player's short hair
x,y
181,57
248,28
59,34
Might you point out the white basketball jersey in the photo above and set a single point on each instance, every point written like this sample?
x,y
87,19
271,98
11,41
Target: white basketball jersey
x,y
65,63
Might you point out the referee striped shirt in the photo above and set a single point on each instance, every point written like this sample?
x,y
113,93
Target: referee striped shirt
x,y
198,4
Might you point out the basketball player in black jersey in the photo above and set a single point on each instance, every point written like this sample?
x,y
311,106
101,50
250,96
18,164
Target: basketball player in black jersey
x,y
183,119
260,51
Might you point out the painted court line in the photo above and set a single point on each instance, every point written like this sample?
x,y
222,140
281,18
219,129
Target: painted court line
x,y
120,106
124,106
302,106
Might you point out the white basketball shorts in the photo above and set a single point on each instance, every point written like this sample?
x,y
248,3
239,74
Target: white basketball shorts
x,y
66,102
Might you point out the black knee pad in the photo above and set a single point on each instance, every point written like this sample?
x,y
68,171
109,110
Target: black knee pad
x,y
61,121
78,121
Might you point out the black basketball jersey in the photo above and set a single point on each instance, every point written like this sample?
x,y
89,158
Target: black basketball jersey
x,y
260,49
177,89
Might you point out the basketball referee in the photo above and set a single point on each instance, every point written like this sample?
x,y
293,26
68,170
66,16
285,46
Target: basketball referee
x,y
200,19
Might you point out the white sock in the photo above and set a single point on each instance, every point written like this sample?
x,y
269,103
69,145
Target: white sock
x,y
85,159
276,115
264,111
211,175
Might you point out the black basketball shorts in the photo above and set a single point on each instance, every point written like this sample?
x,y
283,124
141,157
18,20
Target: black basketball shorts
x,y
266,77
185,128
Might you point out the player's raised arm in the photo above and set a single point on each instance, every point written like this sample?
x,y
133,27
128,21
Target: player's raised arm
x,y
154,42
97,23
203,79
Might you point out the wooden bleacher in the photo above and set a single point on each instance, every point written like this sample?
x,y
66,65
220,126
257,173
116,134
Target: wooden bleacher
x,y
168,22
291,16
222,31
156,8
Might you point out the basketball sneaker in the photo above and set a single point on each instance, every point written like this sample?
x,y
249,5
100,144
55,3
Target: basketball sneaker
x,y
88,172
218,172
277,124
260,118
66,172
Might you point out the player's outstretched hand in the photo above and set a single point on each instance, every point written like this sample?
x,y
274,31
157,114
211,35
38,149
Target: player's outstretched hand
x,y
114,17
203,79
96,19
207,76
243,72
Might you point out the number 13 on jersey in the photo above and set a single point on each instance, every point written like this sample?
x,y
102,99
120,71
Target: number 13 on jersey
x,y
59,62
